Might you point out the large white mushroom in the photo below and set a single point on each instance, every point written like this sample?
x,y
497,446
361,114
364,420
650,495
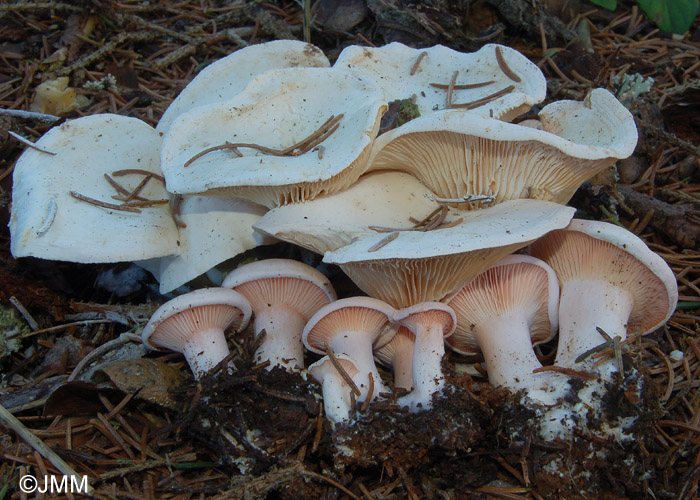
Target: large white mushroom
x,y
213,230
64,208
405,268
379,199
290,135
495,81
223,79
457,154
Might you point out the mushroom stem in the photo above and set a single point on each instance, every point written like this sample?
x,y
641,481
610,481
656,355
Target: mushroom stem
x,y
204,350
427,359
430,322
336,398
507,348
402,365
282,345
607,307
358,346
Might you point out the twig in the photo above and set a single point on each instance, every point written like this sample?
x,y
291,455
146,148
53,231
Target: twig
x,y
484,100
467,86
370,392
128,171
300,147
30,115
103,204
580,374
33,325
348,379
11,422
30,144
383,242
122,339
504,66
420,57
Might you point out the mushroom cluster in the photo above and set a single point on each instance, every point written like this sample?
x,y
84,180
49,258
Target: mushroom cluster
x,y
273,143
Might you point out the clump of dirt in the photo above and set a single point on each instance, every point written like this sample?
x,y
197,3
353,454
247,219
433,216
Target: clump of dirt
x,y
266,424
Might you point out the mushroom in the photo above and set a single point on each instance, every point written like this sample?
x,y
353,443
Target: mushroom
x,y
409,267
610,281
502,313
379,199
194,324
457,154
223,79
283,294
397,354
337,392
494,81
291,135
213,229
431,323
353,326
63,207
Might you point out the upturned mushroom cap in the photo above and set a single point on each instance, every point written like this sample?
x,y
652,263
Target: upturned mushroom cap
x,y
276,110
517,283
223,79
216,229
271,282
336,390
401,72
194,324
455,153
386,199
423,266
48,222
594,250
352,314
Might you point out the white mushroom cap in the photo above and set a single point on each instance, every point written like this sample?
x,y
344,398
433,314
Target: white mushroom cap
x,y
516,284
399,73
284,294
600,251
327,223
194,324
353,326
455,153
49,223
223,79
276,110
216,229
336,391
426,266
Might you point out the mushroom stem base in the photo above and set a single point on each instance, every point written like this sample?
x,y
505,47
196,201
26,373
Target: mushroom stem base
x,y
205,350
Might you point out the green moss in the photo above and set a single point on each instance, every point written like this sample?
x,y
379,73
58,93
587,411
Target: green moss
x,y
11,325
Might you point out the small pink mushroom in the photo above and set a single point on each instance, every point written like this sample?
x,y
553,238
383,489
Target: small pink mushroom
x,y
194,324
353,326
283,294
430,322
